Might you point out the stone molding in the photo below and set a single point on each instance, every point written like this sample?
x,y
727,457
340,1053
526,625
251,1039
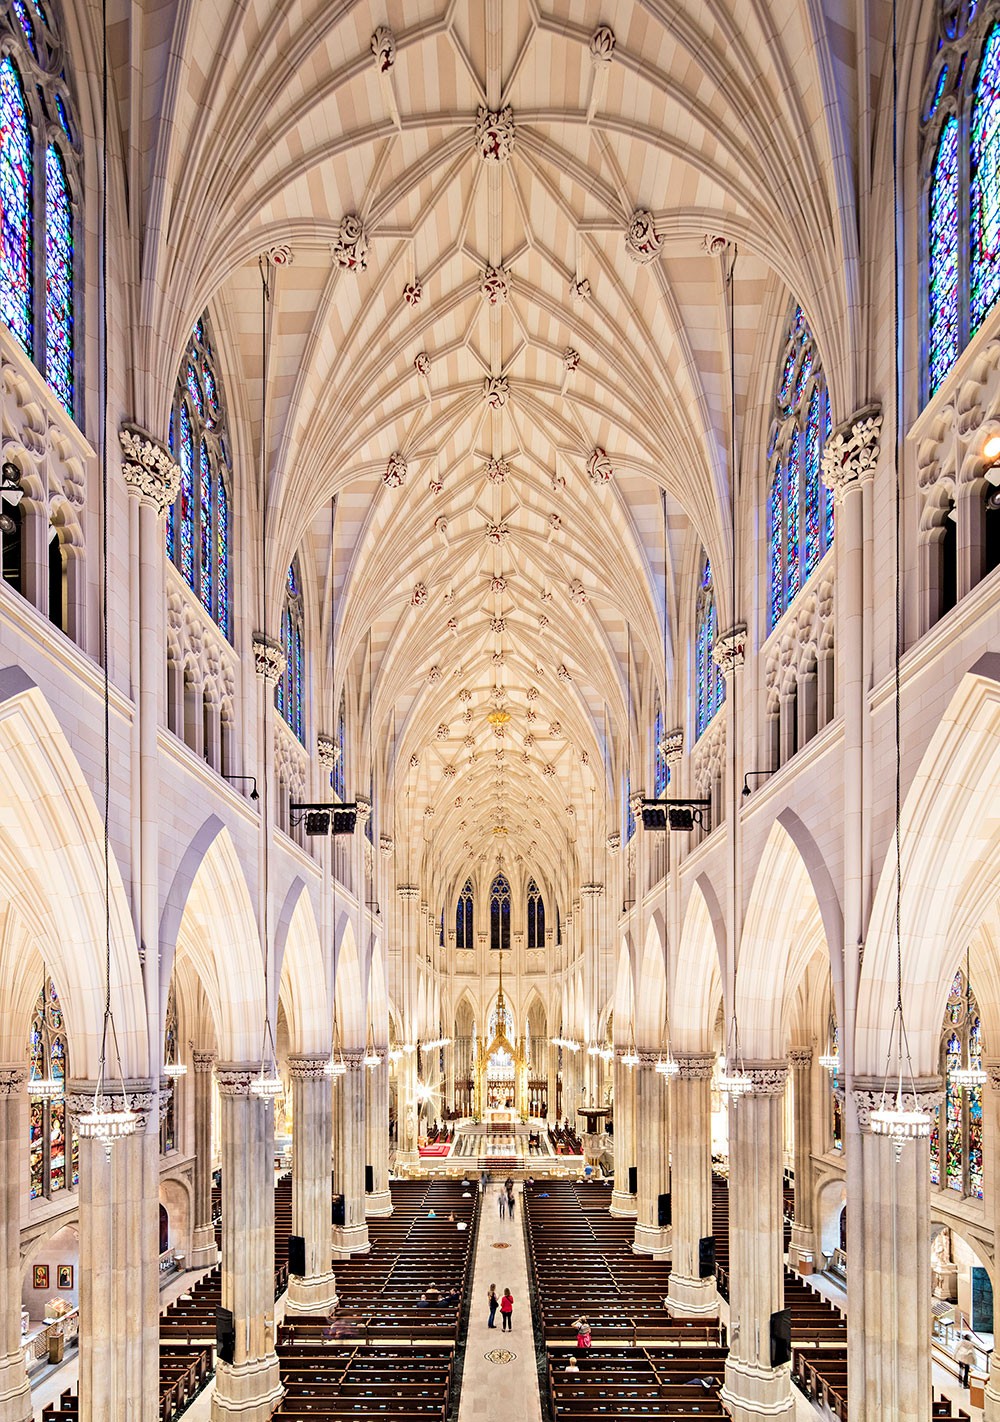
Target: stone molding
x,y
851,452
307,1067
647,1059
672,745
927,1095
203,1062
12,1079
767,1078
269,658
409,893
354,1061
148,467
591,891
800,1056
729,649
235,1078
81,1097
327,750
694,1066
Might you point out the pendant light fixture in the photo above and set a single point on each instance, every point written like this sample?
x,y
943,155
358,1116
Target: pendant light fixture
x,y
630,1057
895,1117
968,1077
336,1066
104,1121
830,1061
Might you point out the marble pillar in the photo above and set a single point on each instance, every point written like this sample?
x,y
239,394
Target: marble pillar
x,y
890,1365
250,1386
312,1136
349,1155
378,1200
753,1388
803,1241
119,1260
204,1250
653,1160
689,1295
15,1395
552,1080
623,1201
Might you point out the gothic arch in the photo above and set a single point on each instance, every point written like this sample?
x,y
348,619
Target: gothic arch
x,y
651,987
697,972
299,967
348,991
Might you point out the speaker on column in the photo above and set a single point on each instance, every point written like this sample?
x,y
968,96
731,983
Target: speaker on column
x,y
369,1179
781,1337
225,1335
297,1255
633,1180
337,1211
664,1216
706,1256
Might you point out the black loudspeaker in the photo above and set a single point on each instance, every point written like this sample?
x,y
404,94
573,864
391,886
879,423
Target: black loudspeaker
x,y
297,1255
781,1337
225,1335
664,1215
337,1211
706,1257
633,1180
369,1179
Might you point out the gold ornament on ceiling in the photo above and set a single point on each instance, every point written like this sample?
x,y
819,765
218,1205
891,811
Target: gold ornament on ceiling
x,y
499,717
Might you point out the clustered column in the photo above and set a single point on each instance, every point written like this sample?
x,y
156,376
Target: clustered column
x,y
378,1201
688,1293
623,1200
15,1394
651,1112
312,1134
250,1385
803,1234
349,1155
753,1387
204,1251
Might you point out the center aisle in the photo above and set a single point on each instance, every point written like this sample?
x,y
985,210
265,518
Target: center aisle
x,y
500,1392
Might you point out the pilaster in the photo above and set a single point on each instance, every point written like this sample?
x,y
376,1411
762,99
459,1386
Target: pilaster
x,y
623,1201
378,1201
349,1156
802,1249
653,1162
315,1291
688,1294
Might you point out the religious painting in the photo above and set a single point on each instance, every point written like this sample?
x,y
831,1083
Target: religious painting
x,y
40,1276
64,1276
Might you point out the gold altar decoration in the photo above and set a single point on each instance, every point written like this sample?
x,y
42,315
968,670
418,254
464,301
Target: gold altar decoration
x,y
518,1092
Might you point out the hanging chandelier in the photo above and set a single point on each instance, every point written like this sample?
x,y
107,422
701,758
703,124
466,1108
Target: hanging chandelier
x,y
630,1057
830,1061
336,1066
372,1059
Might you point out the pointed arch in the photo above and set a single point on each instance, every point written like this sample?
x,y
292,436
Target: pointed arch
x,y
651,987
378,995
299,966
698,970
348,989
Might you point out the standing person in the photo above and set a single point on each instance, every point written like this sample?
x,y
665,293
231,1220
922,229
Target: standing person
x,y
494,1304
965,1356
510,1203
501,1203
583,1339
506,1309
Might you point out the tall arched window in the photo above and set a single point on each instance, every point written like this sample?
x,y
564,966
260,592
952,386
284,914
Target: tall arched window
x,y
171,1055
199,522
39,164
661,770
709,683
536,916
289,694
957,1136
628,814
464,911
799,507
338,779
500,913
53,1153
960,143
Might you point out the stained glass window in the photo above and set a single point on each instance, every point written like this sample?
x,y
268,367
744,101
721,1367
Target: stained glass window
x,y
464,917
338,776
16,255
171,1055
53,1160
58,278
985,175
500,913
289,694
536,916
943,257
199,523
661,770
836,1090
627,811
957,1137
799,509
710,684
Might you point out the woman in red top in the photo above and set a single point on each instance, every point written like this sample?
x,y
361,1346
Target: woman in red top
x,y
506,1309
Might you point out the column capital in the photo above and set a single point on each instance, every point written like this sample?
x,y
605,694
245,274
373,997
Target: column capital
x,y
729,649
800,1056
353,1060
409,893
591,891
927,1095
993,1074
12,1078
327,750
386,845
268,658
614,842
767,1078
148,468
648,1059
851,452
235,1078
81,1096
308,1066
694,1066
672,745
203,1062
364,809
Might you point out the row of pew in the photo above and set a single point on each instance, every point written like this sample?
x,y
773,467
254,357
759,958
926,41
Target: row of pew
x,y
638,1385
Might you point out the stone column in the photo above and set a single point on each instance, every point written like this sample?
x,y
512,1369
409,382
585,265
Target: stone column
x,y
803,1242
591,946
249,1386
991,1199
204,1251
653,1135
623,1202
15,1394
119,1261
552,1078
378,1201
756,1248
889,1225
349,1156
312,1136
689,1295
406,1067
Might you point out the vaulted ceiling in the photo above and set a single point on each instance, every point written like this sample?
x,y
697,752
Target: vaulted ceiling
x,y
498,393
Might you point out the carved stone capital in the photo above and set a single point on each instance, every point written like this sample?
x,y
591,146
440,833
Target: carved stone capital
x,y
387,845
409,893
851,452
148,468
614,842
993,1075
767,1078
81,1097
694,1066
364,809
800,1056
268,658
307,1067
327,750
235,1078
203,1062
927,1095
12,1079
647,1060
591,891
672,746
354,1061
729,650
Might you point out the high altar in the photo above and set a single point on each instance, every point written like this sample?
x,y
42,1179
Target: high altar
x,y
500,1088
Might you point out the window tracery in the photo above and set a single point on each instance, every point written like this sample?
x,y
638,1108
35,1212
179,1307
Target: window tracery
x,y
957,1134
661,770
710,685
800,519
536,916
500,913
199,522
960,143
171,1056
464,911
54,1158
289,694
39,173
338,777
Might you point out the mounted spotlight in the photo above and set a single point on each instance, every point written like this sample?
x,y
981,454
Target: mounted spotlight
x,y
751,774
673,814
252,779
325,819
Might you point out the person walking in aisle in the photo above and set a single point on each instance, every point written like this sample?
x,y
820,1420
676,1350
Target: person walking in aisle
x,y
510,1203
494,1304
502,1205
506,1309
965,1356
